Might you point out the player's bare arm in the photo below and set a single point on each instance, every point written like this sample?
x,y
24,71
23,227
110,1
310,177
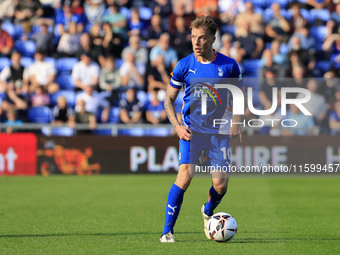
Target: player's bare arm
x,y
183,132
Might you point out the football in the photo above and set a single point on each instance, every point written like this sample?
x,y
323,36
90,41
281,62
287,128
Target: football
x,y
222,227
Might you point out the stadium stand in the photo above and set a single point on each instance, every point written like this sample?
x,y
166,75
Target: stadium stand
x,y
321,20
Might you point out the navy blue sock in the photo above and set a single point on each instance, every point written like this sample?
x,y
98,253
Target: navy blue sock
x,y
173,205
213,202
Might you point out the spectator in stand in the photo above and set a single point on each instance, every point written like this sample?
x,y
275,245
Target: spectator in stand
x,y
27,12
6,42
297,21
306,41
42,73
40,97
267,62
112,42
206,7
116,19
181,38
43,40
163,8
132,73
334,119
7,9
135,25
13,74
96,42
317,104
109,80
228,10
130,108
278,26
187,6
163,49
278,57
85,73
94,103
65,16
266,88
231,50
94,11
305,123
180,10
154,111
250,42
328,90
141,53
335,65
61,112
332,43
154,31
84,47
12,120
254,20
82,116
157,75
15,99
333,24
68,45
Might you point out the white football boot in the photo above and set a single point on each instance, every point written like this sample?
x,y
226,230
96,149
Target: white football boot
x,y
205,221
167,238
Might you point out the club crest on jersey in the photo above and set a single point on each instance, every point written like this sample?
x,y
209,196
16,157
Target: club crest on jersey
x,y
220,72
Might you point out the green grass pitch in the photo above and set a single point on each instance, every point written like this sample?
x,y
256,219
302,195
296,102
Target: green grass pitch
x,y
123,214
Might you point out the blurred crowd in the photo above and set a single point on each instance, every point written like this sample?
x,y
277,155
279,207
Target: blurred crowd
x,y
109,61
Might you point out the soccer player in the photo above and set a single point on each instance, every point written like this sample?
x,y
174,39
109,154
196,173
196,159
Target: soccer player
x,y
205,62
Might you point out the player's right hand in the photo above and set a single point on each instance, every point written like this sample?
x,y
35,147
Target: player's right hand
x,y
183,132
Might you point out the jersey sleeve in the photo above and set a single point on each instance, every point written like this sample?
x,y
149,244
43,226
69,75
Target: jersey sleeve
x,y
177,80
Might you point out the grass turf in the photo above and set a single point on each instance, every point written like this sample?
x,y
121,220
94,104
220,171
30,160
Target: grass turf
x,y
124,214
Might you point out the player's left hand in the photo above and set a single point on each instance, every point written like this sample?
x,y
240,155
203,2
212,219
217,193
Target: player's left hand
x,y
235,130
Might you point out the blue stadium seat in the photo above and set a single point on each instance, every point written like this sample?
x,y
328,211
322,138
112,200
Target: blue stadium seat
x,y
259,3
118,62
251,67
26,61
142,96
50,60
230,29
26,48
319,33
125,11
18,31
69,94
158,132
114,115
107,132
322,14
131,132
65,81
41,114
145,13
4,62
9,28
65,64
323,66
58,131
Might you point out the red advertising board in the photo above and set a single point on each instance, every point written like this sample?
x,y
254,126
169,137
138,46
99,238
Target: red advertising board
x,y
18,154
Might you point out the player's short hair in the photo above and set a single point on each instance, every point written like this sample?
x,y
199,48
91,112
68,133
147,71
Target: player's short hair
x,y
205,21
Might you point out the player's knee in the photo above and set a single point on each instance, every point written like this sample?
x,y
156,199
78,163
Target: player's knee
x,y
184,177
221,187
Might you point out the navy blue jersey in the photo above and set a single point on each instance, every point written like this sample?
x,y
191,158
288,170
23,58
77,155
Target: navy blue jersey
x,y
196,78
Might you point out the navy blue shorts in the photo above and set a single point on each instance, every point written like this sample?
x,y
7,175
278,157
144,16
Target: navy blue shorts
x,y
215,147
